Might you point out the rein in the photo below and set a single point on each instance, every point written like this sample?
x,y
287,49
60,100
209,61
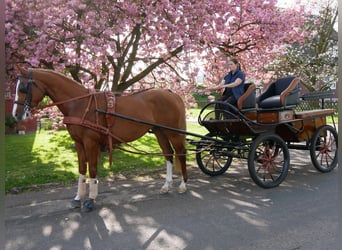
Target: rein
x,y
142,152
65,101
110,97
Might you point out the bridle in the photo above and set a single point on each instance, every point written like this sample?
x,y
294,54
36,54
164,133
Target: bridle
x,y
25,87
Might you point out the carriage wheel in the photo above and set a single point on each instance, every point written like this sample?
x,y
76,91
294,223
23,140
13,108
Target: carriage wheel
x,y
211,157
323,149
268,161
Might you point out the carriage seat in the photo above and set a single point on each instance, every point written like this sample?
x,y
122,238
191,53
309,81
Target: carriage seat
x,y
246,104
248,100
281,94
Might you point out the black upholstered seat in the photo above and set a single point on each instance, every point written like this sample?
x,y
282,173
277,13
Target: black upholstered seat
x,y
248,99
281,94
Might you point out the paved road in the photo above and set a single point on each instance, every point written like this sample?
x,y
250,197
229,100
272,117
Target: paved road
x,y
227,212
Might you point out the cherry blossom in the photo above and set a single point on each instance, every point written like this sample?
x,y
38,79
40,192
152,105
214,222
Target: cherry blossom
x,y
130,45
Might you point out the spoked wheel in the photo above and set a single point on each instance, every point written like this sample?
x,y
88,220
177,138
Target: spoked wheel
x,y
268,161
323,148
212,157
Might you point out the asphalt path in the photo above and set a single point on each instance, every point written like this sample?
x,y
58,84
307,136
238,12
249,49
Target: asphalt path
x,y
225,212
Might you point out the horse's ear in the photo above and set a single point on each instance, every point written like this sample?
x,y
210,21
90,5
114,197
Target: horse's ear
x,y
20,69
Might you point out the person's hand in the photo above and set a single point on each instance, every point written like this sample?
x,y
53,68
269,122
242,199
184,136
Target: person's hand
x,y
215,88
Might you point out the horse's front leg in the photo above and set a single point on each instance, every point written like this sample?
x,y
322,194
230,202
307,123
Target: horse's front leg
x,y
92,153
82,169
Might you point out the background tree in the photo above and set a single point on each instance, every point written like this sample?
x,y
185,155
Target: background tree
x,y
123,45
314,60
254,44
127,45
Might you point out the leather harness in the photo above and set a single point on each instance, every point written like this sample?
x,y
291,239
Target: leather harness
x,y
110,120
26,88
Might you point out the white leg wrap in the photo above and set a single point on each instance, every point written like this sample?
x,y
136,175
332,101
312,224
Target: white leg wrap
x,y
81,190
93,188
182,187
168,180
169,171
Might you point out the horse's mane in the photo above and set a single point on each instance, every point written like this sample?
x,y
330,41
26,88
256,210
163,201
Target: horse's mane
x,y
59,74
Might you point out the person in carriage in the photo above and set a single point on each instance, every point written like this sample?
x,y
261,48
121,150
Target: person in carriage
x,y
233,85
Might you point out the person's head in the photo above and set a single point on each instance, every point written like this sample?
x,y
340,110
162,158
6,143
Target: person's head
x,y
233,64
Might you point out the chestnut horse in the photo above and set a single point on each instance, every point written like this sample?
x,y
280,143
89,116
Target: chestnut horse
x,y
92,130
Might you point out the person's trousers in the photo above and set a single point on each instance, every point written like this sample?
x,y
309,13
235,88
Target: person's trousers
x,y
219,107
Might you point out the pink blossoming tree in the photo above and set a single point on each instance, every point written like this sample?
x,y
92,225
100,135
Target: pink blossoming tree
x,y
124,45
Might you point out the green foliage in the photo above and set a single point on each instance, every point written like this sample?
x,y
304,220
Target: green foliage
x,y
10,122
202,99
314,60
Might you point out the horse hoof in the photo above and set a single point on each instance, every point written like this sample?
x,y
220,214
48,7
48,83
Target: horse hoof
x,y
88,206
166,187
182,190
164,190
75,203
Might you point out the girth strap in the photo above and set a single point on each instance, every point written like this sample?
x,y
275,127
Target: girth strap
x,y
110,100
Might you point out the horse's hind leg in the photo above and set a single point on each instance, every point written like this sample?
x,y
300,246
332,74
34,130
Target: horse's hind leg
x,y
168,153
178,143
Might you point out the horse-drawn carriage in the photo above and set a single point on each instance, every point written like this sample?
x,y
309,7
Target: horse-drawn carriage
x,y
262,130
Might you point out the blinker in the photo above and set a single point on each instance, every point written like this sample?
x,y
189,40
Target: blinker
x,y
24,87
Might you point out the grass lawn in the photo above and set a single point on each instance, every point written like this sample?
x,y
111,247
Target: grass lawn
x,y
47,157
39,158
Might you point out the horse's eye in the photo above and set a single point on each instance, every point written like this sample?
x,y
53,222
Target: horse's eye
x,y
23,87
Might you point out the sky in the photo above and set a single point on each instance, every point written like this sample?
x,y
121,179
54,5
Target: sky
x,y
286,3
292,3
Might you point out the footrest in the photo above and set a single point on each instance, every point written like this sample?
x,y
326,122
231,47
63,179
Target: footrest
x,y
314,113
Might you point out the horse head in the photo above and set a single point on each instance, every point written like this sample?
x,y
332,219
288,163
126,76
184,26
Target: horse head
x,y
28,93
